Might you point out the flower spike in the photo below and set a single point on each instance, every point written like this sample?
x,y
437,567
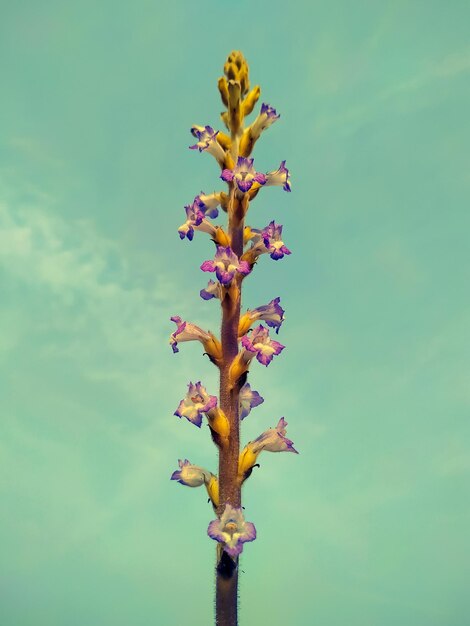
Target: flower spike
x,y
244,335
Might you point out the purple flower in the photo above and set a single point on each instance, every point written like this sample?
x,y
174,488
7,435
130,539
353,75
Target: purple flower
x,y
272,314
208,203
267,240
248,399
261,345
225,265
231,530
267,116
187,332
190,475
196,220
195,476
207,140
194,217
270,112
280,177
213,290
195,403
244,175
272,239
274,440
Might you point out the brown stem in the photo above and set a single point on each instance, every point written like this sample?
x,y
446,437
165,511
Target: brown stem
x,y
229,486
226,595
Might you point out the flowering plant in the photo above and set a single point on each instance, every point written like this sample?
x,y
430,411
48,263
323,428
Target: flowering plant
x,y
238,248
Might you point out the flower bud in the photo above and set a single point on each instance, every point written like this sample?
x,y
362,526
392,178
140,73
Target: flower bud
x,y
250,100
223,89
218,422
212,486
234,105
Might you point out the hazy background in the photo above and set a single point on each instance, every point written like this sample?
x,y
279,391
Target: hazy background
x,y
369,525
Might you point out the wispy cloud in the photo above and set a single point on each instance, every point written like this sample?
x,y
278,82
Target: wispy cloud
x,y
79,298
82,289
450,66
35,150
397,94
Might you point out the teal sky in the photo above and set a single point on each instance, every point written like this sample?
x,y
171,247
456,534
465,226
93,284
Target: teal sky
x,y
368,526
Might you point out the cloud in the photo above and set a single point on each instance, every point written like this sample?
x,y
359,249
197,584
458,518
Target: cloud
x,y
397,95
450,66
35,150
88,298
81,301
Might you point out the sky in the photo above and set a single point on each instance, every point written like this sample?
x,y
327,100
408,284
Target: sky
x,y
368,525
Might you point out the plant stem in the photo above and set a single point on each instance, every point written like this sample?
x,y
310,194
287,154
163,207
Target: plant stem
x,y
229,486
226,595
